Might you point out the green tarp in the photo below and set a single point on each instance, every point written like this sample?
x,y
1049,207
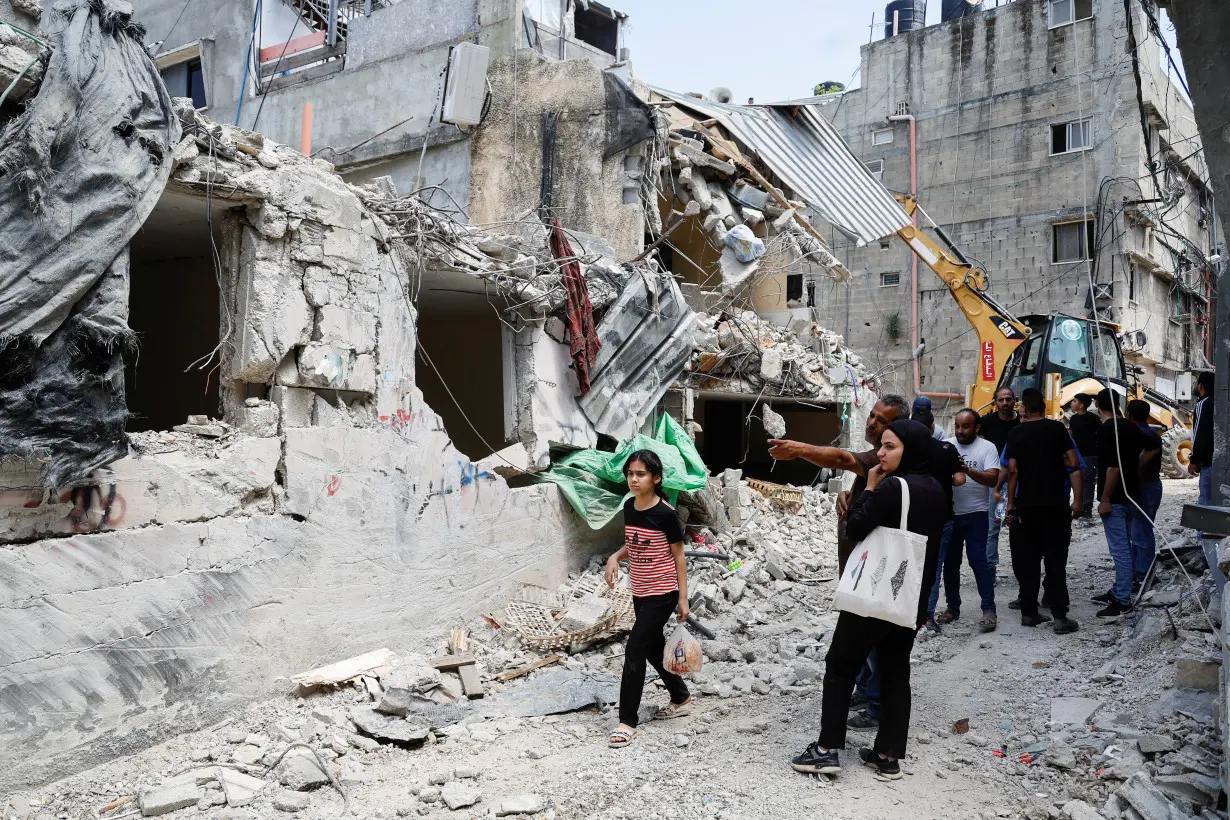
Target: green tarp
x,y
593,480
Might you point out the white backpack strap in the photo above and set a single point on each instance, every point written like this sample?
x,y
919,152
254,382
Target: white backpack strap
x,y
905,502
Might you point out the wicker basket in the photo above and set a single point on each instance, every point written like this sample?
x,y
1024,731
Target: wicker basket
x,y
534,614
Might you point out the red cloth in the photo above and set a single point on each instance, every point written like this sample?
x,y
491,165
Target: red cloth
x,y
582,337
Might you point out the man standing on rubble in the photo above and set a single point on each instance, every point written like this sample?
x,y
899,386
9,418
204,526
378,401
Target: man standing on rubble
x,y
1120,445
970,524
995,427
1040,452
1201,462
888,409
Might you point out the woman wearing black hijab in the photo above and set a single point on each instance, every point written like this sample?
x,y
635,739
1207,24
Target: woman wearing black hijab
x,y
904,456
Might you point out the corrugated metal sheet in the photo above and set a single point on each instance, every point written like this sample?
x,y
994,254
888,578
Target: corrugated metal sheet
x,y
642,353
808,154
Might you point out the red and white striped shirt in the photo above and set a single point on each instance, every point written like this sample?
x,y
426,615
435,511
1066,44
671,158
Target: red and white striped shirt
x,y
648,535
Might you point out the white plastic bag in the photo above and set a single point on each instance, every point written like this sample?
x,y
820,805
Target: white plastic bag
x,y
883,576
747,246
682,653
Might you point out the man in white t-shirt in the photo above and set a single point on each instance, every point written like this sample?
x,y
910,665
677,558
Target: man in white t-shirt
x,y
970,503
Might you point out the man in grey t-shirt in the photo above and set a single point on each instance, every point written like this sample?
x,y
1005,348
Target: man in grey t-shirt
x,y
970,504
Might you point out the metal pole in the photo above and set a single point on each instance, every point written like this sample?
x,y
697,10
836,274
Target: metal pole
x,y
367,8
1221,391
331,36
563,25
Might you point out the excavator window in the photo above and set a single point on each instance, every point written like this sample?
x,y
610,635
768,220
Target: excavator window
x,y
1107,361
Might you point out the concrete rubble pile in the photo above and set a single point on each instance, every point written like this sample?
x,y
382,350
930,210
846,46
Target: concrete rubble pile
x,y
743,353
707,178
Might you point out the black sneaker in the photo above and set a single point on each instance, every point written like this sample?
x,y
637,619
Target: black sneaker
x,y
1114,610
1015,603
886,768
1066,626
1034,620
814,761
862,720
1105,598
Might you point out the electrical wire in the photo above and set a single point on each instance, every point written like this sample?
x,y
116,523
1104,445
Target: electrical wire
x,y
247,63
163,41
264,90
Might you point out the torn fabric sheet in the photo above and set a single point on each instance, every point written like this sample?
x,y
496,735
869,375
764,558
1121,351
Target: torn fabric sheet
x,y
83,166
582,337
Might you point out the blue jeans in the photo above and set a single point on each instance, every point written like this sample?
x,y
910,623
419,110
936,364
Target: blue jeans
x,y
968,531
1140,528
867,684
1116,527
1206,485
1090,483
992,533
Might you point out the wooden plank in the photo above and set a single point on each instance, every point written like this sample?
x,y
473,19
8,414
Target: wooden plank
x,y
470,683
447,663
275,66
525,670
292,46
372,663
458,641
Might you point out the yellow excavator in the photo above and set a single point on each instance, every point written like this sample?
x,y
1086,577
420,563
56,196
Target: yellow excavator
x,y
1058,353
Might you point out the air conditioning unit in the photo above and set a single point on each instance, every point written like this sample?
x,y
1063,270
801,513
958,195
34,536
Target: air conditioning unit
x,y
465,88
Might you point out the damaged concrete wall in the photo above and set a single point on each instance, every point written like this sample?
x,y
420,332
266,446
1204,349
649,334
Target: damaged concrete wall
x,y
589,193
200,571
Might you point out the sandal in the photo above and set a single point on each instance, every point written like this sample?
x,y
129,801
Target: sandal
x,y
621,737
673,710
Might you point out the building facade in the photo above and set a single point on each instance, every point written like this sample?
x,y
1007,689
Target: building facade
x,y
1051,143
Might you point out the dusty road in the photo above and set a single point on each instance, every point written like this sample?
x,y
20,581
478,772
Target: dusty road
x,y
730,760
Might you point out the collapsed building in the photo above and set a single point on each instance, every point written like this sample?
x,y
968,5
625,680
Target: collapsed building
x,y
253,409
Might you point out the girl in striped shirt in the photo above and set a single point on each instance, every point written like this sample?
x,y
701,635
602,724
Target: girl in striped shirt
x,y
653,548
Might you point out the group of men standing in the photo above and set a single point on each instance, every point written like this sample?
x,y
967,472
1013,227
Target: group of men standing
x,y
1034,475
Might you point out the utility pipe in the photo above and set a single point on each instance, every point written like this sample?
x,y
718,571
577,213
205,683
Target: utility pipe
x,y
305,130
914,260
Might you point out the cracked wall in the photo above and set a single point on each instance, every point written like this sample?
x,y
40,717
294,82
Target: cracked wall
x,y
333,516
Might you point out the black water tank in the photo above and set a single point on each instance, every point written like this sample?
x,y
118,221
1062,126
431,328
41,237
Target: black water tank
x,y
910,14
952,9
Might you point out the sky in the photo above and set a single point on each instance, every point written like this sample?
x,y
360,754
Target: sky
x,y
771,50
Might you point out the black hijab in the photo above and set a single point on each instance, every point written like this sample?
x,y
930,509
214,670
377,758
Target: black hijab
x,y
916,447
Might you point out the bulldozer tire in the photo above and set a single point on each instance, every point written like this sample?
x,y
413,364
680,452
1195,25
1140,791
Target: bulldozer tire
x,y
1176,450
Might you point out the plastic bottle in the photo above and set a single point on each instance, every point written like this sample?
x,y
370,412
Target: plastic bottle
x,y
1001,510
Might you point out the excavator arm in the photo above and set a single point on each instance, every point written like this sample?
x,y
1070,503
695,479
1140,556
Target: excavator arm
x,y
999,332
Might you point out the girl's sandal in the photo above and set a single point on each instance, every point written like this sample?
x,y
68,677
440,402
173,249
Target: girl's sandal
x,y
674,710
621,737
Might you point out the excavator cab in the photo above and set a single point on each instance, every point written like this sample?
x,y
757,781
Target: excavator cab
x,y
1084,353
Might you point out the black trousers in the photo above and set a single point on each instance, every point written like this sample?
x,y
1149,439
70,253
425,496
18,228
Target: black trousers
x,y
1041,537
853,639
647,643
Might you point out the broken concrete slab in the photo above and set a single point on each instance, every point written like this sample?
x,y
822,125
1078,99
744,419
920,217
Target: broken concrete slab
x,y
584,612
1141,795
1070,711
165,800
457,795
1080,810
1190,788
1155,744
1192,703
240,789
1201,673
520,804
419,710
554,692
300,771
701,159
386,728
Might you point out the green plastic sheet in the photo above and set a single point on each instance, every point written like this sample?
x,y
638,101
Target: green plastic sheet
x,y
593,480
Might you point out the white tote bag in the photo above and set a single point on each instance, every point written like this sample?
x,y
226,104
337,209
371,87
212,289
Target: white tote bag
x,y
884,574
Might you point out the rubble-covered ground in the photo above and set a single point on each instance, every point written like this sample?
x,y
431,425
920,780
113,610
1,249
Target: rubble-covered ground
x,y
1106,732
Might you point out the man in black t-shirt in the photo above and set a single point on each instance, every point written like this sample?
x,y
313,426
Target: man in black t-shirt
x,y
1040,456
1119,447
1140,524
1084,426
995,427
